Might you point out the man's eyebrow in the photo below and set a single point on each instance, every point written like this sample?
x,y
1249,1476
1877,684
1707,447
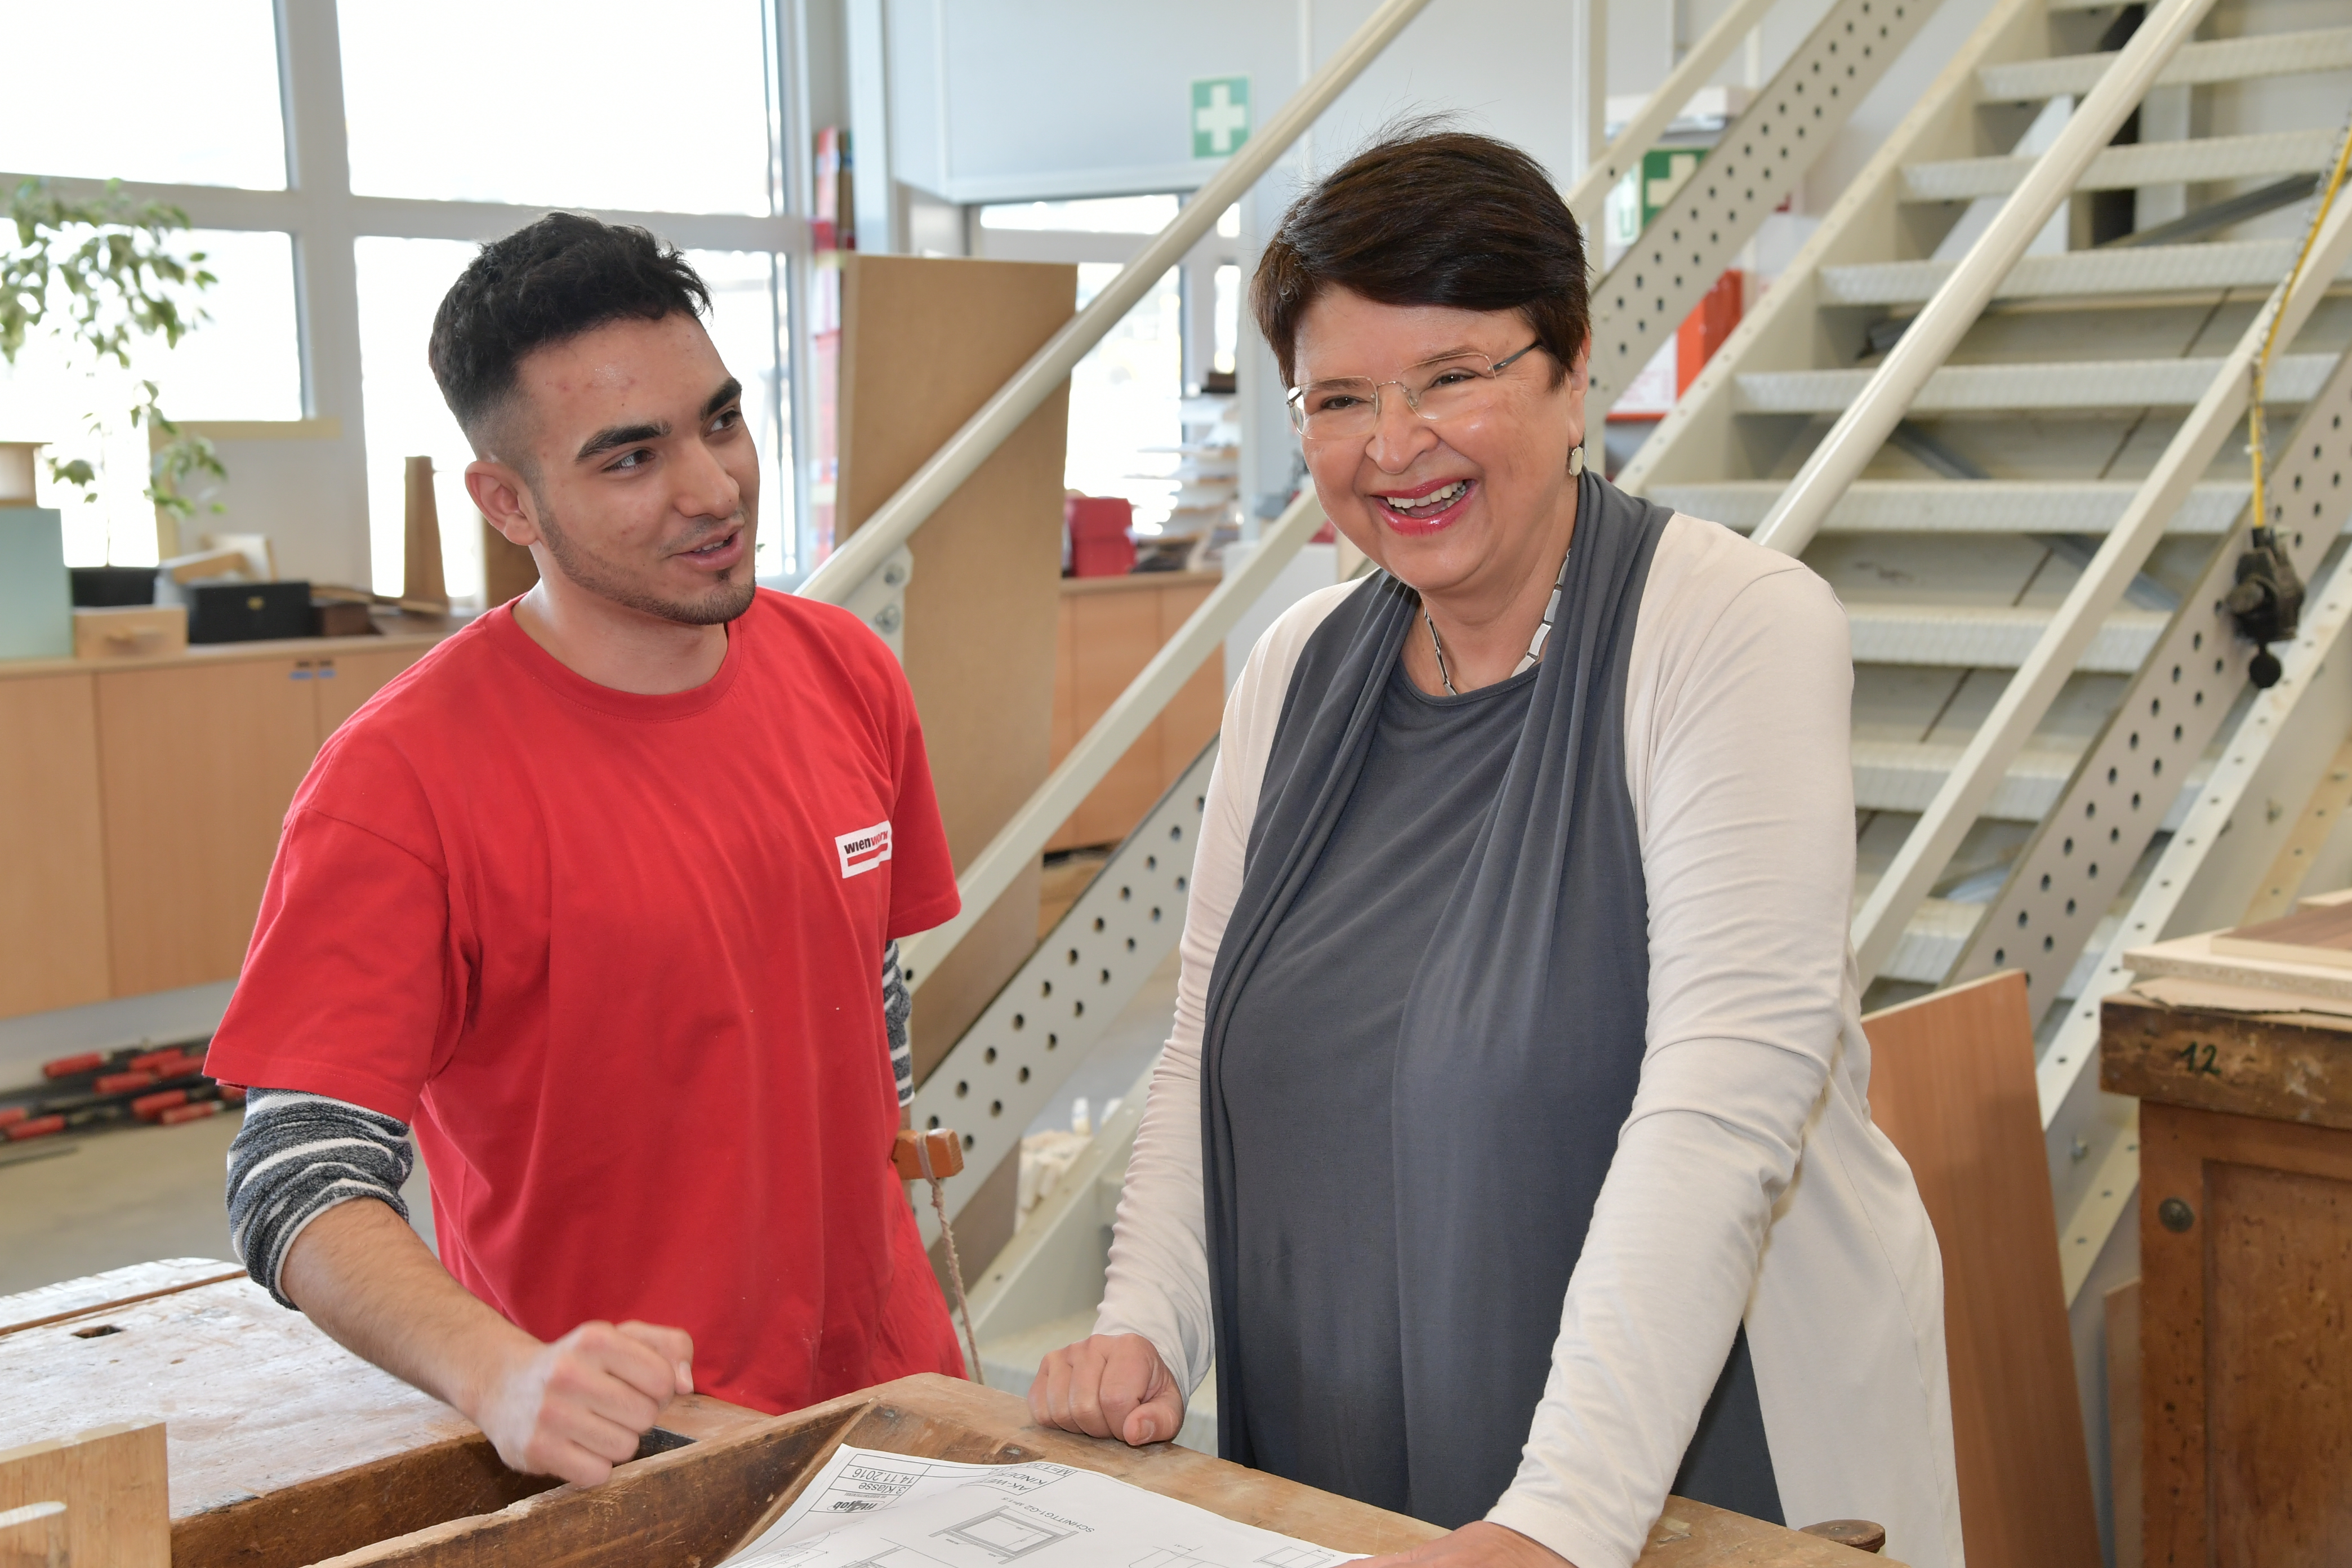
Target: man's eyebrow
x,y
727,394
614,435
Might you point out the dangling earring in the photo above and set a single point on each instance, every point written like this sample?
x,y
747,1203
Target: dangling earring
x,y
1575,462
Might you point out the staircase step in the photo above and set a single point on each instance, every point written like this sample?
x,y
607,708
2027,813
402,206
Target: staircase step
x,y
2198,162
1903,775
2149,269
1963,637
1953,506
1931,942
2223,60
2003,388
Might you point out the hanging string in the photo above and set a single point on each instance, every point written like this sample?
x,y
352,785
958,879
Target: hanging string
x,y
955,1264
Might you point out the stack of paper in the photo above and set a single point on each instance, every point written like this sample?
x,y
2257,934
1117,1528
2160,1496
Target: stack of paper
x,y
867,1509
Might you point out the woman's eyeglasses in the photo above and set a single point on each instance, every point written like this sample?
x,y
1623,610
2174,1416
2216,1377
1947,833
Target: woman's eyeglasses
x,y
1443,388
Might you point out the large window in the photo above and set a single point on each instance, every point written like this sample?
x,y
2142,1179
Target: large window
x,y
671,117
170,91
594,103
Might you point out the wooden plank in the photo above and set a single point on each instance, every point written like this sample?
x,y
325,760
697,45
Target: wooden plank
x,y
696,1503
199,763
925,341
111,1479
2246,1271
52,899
115,1288
2126,1459
1952,1084
2242,1063
34,1536
2322,934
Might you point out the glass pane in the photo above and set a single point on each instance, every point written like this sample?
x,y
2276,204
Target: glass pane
x,y
401,284
1099,215
1126,402
241,362
747,326
167,92
615,109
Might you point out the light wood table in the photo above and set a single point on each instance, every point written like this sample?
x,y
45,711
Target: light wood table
x,y
2245,1214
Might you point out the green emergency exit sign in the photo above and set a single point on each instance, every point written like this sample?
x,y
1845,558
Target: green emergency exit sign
x,y
1221,115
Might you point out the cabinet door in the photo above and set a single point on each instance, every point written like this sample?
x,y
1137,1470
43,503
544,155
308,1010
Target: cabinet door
x,y
2246,1355
1114,635
1190,721
344,682
53,897
199,763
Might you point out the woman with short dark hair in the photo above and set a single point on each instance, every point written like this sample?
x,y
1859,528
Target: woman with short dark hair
x,y
1511,1157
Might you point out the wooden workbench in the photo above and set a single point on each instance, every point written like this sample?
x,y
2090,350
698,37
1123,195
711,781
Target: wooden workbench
x,y
286,1449
2246,1277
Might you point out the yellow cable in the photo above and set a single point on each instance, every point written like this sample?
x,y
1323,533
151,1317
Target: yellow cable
x,y
2256,407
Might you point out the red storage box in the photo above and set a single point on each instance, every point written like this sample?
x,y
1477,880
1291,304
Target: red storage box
x,y
1101,545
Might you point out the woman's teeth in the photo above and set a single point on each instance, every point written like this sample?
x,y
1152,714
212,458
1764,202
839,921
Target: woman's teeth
x,y
1434,501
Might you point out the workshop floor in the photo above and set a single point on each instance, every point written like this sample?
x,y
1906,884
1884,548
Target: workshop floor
x,y
79,1205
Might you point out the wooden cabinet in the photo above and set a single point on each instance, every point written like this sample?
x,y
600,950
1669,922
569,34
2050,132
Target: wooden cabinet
x,y
1110,629
199,765
2245,1239
141,805
52,891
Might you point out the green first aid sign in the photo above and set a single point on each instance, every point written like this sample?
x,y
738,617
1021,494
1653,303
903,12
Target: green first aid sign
x,y
1221,115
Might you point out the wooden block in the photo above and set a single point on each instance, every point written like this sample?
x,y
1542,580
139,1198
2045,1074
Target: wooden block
x,y
130,631
1951,1082
2125,1457
34,1536
111,1480
421,577
945,1149
203,563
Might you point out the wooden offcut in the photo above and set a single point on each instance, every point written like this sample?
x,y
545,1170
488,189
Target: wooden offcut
x,y
1952,1084
112,1482
925,342
421,577
2318,935
34,1536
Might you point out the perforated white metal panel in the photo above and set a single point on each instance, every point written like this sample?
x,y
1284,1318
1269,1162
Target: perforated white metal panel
x,y
1025,1044
2069,873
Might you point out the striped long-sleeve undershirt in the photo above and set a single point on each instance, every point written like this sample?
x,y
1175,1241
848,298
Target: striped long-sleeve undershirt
x,y
298,1156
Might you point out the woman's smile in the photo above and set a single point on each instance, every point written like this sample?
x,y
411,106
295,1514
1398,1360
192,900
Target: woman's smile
x,y
1429,508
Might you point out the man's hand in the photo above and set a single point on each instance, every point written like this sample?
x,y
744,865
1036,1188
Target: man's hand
x,y
1112,1385
577,1407
1479,1545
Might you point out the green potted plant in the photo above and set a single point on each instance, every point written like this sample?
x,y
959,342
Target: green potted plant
x,y
100,275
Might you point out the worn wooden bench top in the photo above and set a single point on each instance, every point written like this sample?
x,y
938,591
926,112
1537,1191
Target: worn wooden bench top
x,y
286,1449
2286,1066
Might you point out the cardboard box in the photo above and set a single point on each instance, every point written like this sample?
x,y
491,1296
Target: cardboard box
x,y
130,631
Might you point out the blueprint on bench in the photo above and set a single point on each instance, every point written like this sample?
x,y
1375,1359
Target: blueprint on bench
x,y
867,1509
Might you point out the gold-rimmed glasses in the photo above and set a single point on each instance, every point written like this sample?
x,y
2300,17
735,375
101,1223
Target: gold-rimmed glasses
x,y
1446,387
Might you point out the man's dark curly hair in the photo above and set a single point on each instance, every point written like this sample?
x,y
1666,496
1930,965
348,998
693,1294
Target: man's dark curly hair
x,y
1429,216
547,282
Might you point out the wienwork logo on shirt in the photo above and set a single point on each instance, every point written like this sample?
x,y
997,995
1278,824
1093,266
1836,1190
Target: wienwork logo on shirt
x,y
863,849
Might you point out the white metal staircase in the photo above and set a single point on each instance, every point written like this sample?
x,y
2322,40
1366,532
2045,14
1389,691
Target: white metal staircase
x,y
2075,430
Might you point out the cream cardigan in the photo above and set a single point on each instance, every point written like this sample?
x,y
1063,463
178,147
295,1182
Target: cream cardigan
x,y
1749,1180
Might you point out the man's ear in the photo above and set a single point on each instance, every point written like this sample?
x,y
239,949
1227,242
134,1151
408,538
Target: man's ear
x,y
505,499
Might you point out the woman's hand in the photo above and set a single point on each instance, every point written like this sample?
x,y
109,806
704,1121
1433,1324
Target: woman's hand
x,y
1479,1545
1112,1385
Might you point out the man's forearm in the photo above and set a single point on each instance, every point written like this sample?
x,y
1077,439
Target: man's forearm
x,y
361,1274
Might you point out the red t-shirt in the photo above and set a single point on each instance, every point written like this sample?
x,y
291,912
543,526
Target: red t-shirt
x,y
618,958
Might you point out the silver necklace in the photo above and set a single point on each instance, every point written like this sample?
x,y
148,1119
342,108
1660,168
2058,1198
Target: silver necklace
x,y
1528,660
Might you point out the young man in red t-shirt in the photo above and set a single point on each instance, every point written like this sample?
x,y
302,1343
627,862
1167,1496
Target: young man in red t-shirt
x,y
600,898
